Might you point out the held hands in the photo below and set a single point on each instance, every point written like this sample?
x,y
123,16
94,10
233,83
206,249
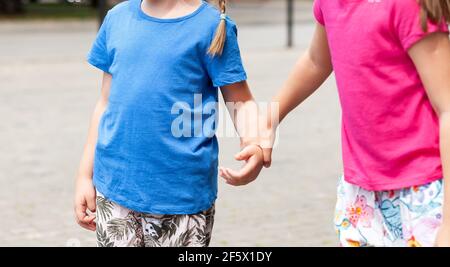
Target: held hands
x,y
253,156
85,197
257,154
267,140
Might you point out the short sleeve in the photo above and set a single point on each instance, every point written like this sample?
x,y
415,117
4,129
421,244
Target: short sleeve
x,y
408,25
227,68
318,12
98,55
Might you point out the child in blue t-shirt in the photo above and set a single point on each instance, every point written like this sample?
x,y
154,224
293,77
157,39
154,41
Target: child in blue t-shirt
x,y
149,168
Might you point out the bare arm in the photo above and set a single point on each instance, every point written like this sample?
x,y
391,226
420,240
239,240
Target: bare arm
x,y
85,192
243,111
87,159
432,59
244,114
311,70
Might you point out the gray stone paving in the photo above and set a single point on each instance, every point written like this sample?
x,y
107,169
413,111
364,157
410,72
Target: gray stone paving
x,y
47,93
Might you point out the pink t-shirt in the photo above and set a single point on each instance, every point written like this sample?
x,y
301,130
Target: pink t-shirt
x,y
390,132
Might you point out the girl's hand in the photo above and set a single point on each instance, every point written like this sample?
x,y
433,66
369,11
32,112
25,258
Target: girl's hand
x,y
85,197
267,141
443,236
253,156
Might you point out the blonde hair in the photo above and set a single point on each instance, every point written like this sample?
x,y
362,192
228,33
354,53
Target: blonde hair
x,y
436,11
218,43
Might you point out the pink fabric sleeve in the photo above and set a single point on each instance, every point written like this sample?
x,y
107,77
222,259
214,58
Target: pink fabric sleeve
x,y
407,23
318,12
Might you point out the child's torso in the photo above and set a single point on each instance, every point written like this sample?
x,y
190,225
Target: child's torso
x,y
390,131
155,151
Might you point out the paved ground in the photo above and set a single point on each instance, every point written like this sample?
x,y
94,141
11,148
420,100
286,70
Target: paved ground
x,y
47,93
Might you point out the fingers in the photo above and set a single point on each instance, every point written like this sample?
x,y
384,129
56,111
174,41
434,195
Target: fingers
x,y
224,173
232,177
84,219
245,153
250,150
253,156
267,157
247,174
91,203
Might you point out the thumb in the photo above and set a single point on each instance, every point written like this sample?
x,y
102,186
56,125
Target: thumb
x,y
91,203
245,153
267,157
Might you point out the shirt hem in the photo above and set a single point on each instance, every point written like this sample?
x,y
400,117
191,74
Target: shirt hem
x,y
139,207
231,80
394,185
412,40
98,65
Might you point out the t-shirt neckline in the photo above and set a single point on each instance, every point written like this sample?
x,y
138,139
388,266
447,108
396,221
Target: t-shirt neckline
x,y
168,20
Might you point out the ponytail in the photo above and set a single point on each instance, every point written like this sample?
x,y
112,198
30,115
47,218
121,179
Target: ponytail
x,y
436,11
220,36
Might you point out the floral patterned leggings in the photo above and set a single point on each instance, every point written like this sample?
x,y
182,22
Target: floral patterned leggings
x,y
118,226
407,217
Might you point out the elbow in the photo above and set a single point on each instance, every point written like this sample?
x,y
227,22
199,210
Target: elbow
x,y
101,104
321,64
444,118
322,67
444,115
441,106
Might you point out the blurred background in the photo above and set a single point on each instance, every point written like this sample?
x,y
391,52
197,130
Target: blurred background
x,y
48,92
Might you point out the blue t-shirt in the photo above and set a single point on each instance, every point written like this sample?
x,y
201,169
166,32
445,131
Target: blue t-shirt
x,y
157,151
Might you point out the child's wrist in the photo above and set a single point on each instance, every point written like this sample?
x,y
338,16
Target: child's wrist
x,y
249,141
257,145
84,176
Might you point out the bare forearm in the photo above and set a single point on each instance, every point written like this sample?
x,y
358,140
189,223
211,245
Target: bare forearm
x,y
245,120
311,70
87,159
445,155
304,80
244,115
243,111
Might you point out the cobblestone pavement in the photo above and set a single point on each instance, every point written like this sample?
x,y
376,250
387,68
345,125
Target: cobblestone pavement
x,y
47,93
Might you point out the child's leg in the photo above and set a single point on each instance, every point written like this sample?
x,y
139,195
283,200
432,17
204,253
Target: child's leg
x,y
178,230
117,226
421,209
358,221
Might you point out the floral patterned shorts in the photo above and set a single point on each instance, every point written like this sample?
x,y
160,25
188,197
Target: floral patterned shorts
x,y
118,226
407,217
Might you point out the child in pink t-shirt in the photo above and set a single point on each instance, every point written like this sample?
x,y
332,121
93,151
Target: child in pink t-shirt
x,y
391,60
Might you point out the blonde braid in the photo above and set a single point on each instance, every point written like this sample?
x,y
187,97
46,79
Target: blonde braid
x,y
220,36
